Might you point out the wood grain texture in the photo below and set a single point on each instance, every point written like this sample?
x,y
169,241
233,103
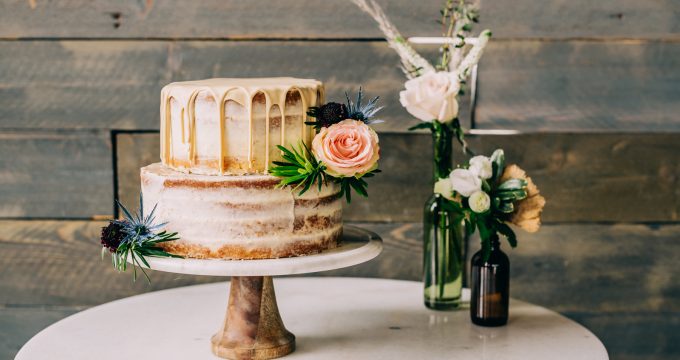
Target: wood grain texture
x,y
116,84
635,336
580,86
524,85
318,19
560,19
327,19
55,174
252,328
585,177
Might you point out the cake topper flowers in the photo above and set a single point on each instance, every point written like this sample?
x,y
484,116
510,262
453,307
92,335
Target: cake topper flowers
x,y
489,195
345,150
134,237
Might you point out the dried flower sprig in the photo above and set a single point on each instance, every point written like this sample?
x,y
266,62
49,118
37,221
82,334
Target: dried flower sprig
x,y
135,237
456,21
413,65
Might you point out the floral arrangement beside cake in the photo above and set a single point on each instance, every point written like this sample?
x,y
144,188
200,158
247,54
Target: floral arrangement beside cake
x,y
481,194
250,169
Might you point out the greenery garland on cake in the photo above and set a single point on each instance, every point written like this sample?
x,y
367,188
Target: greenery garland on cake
x,y
133,238
345,149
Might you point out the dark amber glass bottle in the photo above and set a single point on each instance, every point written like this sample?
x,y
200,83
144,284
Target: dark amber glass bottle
x,y
490,287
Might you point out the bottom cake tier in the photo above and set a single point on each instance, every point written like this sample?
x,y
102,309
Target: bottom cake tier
x,y
241,217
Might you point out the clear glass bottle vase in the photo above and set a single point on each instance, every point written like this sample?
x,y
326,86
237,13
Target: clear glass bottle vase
x,y
443,235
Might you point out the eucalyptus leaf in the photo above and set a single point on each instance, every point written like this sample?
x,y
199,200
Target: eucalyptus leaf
x,y
513,184
512,195
498,159
505,207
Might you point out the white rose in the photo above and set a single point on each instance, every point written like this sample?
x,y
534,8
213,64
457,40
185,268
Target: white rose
x,y
432,96
464,182
479,202
443,187
481,166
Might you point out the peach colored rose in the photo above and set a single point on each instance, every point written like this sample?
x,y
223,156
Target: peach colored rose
x,y
348,148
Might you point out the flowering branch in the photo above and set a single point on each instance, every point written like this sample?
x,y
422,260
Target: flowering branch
x,y
473,56
456,21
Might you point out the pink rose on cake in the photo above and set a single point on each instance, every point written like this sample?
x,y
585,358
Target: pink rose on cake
x,y
348,149
344,152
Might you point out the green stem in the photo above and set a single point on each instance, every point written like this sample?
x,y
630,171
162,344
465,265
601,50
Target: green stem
x,y
443,251
442,136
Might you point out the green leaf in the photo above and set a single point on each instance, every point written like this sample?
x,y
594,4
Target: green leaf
x,y
293,179
513,184
505,207
308,183
498,163
422,125
469,228
359,188
506,230
348,194
512,195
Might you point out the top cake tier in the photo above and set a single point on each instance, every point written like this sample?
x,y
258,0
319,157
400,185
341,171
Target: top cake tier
x,y
232,126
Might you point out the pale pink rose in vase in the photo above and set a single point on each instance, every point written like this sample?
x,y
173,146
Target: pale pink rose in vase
x,y
348,148
432,96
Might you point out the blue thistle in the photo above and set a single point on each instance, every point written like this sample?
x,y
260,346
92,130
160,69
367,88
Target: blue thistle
x,y
358,111
134,238
136,226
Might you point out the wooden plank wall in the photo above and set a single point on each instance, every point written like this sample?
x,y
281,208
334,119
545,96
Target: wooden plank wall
x,y
591,87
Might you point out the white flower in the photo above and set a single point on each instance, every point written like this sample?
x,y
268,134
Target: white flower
x,y
464,182
481,166
432,96
479,202
444,187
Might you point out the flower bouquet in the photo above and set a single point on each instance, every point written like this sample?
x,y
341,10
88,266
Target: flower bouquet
x,y
489,196
483,194
431,95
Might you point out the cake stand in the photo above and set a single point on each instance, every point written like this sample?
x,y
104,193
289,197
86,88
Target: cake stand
x,y
253,328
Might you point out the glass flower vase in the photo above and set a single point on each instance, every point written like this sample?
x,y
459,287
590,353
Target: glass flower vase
x,y
443,235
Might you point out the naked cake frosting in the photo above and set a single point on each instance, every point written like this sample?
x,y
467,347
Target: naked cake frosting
x,y
219,138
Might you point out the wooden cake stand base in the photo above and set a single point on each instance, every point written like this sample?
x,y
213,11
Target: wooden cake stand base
x,y
253,328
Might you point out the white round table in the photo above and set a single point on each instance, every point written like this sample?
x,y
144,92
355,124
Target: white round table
x,y
333,318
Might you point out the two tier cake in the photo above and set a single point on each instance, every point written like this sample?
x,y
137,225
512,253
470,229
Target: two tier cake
x,y
219,138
